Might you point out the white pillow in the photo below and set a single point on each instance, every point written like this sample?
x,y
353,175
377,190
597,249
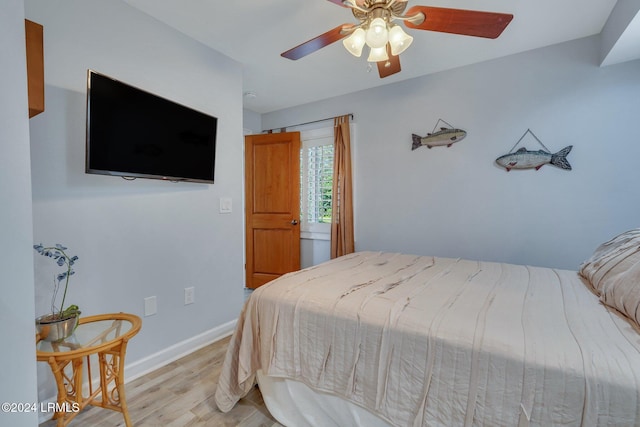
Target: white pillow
x,y
622,291
611,259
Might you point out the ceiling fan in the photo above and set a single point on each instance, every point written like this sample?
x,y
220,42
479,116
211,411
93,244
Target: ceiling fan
x,y
387,40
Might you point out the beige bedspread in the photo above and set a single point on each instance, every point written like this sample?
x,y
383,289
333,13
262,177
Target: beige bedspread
x,y
424,341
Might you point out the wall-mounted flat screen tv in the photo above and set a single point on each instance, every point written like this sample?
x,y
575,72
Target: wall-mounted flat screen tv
x,y
133,133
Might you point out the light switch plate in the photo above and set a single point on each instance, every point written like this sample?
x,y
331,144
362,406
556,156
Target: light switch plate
x,y
226,205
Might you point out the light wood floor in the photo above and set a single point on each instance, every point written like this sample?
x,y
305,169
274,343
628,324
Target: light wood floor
x,y
181,394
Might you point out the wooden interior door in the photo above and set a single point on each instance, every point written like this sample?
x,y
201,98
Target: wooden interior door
x,y
272,206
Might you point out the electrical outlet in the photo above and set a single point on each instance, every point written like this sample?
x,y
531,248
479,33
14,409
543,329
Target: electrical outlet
x,y
189,295
150,306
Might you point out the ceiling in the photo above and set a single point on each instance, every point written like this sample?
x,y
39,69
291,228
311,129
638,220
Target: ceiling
x,y
255,32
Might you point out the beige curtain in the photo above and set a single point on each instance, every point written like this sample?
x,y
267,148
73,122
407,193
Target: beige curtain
x,y
342,241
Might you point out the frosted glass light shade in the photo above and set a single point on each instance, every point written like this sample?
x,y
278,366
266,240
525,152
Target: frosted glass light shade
x,y
355,42
377,35
399,40
378,54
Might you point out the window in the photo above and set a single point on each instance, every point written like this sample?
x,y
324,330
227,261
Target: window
x,y
316,183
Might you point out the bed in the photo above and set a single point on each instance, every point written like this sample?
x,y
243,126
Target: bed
x,y
388,339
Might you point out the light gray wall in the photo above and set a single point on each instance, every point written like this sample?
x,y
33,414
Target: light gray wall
x,y
314,252
139,238
17,332
251,121
456,202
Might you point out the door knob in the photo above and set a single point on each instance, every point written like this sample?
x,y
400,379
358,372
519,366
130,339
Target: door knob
x,y
294,222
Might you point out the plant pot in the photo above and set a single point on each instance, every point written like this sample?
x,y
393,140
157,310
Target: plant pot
x,y
52,329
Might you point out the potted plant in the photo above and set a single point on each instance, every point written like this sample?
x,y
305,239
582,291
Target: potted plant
x,y
60,323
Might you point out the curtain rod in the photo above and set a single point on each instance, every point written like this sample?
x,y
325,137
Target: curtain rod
x,y
284,128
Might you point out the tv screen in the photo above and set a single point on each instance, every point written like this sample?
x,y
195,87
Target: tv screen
x,y
133,133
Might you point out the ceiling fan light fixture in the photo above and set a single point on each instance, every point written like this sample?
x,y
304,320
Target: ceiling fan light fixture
x,y
387,40
377,35
355,42
399,40
378,54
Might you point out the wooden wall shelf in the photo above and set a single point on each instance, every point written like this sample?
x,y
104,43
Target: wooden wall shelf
x,y
35,66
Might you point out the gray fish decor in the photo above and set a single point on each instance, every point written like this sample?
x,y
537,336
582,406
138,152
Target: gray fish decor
x,y
525,159
445,136
528,159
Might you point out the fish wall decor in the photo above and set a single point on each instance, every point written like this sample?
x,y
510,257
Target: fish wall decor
x,y
445,136
525,159
529,159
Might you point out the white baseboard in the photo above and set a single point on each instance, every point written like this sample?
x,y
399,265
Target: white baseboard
x,y
157,360
164,357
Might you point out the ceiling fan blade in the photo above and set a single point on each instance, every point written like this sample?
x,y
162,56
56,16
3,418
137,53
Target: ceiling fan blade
x,y
317,43
460,21
390,66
